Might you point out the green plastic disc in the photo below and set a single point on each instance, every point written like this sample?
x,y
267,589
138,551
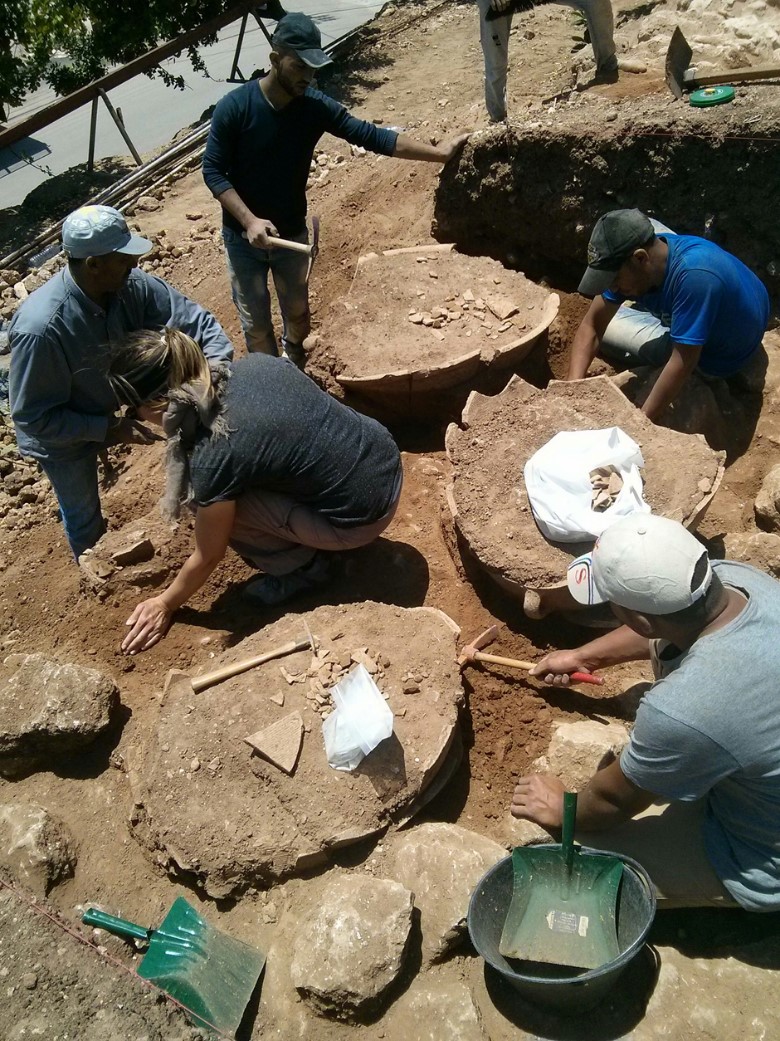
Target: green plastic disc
x,y
712,96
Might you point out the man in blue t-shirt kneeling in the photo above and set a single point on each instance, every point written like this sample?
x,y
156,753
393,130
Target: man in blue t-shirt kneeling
x,y
256,164
695,305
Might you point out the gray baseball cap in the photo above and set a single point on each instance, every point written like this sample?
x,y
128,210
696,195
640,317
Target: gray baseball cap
x,y
297,32
614,238
94,231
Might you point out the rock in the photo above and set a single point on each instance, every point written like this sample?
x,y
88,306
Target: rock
x,y
759,548
434,1009
525,833
37,851
136,551
501,307
441,864
280,743
767,505
577,750
349,952
50,710
148,203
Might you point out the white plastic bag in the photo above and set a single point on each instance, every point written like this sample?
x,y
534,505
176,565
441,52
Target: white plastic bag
x,y
360,720
557,479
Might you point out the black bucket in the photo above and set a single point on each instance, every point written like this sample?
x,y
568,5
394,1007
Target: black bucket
x,y
555,986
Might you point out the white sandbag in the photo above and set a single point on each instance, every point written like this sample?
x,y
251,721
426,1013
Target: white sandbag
x,y
557,479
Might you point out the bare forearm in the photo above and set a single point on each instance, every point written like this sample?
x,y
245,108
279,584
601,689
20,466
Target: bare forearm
x,y
236,207
670,381
620,645
584,349
609,799
194,573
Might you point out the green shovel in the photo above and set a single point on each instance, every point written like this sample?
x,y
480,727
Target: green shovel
x,y
563,902
210,974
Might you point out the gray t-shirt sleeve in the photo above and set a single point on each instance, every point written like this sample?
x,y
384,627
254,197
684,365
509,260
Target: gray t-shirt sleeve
x,y
672,759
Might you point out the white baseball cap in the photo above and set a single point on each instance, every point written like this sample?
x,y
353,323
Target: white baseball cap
x,y
643,563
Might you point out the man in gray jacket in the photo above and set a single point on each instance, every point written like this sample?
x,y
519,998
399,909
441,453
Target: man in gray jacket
x,y
61,338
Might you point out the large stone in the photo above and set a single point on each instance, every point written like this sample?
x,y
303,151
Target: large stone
x,y
35,849
441,864
759,548
433,1009
49,710
240,821
768,501
577,750
349,952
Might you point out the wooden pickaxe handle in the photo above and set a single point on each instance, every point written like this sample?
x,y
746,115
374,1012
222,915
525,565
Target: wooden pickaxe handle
x,y
526,666
200,683
297,247
768,72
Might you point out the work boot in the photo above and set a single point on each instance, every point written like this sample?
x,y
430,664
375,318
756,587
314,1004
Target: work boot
x,y
276,589
295,353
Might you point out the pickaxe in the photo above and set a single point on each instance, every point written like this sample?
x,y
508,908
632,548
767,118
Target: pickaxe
x,y
187,684
311,249
472,652
680,77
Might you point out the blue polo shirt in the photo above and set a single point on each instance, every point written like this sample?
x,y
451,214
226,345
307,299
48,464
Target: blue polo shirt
x,y
265,154
708,299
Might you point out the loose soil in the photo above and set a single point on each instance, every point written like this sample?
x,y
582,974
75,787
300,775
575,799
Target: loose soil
x,y
207,807
436,307
627,143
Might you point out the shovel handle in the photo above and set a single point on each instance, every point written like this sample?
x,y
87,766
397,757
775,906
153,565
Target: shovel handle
x,y
112,924
770,72
200,683
526,666
567,832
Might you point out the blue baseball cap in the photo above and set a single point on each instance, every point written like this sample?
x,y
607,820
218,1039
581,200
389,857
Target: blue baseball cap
x,y
94,231
297,32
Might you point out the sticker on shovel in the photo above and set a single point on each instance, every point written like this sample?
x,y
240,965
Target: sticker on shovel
x,y
566,922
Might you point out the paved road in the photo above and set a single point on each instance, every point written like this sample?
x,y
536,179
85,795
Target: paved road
x,y
152,112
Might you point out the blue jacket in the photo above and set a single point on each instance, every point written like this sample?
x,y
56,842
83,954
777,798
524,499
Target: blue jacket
x,y
60,349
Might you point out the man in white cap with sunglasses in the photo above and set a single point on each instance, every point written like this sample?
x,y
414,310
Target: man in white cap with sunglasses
x,y
62,404
701,771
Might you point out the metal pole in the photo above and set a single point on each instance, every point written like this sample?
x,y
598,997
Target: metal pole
x,y
236,75
120,126
92,131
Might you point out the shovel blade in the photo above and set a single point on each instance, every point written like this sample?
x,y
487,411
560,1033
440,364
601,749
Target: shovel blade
x,y
211,974
559,919
678,59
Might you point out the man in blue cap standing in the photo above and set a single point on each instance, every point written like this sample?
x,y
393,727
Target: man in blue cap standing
x,y
257,160
61,337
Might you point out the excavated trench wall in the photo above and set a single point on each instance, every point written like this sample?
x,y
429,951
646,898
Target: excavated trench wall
x,y
529,196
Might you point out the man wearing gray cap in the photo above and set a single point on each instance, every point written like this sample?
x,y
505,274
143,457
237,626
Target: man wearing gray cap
x,y
62,404
695,305
701,770
257,160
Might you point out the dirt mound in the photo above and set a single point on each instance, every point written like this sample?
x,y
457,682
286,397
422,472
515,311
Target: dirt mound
x,y
488,498
206,806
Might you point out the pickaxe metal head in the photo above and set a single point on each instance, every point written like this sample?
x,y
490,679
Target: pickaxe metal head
x,y
467,653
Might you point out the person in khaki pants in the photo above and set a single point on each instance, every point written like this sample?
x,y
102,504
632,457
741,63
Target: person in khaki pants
x,y
695,794
494,37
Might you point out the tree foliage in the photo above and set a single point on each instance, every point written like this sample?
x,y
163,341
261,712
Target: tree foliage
x,y
93,35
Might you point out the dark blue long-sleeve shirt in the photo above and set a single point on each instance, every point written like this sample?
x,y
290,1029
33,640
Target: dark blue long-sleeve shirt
x,y
265,154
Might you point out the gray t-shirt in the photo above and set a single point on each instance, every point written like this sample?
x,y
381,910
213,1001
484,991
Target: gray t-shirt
x,y
290,437
711,727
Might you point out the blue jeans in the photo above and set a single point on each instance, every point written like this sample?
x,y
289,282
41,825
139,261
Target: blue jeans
x,y
73,476
248,268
